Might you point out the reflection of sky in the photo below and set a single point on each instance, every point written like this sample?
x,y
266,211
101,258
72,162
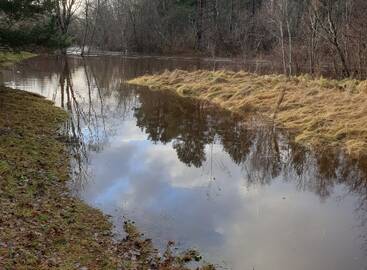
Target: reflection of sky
x,y
259,227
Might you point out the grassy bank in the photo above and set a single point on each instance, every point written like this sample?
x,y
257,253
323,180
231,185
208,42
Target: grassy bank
x,y
317,111
9,58
41,225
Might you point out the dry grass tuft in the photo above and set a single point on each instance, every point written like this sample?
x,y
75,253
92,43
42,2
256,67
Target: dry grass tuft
x,y
318,111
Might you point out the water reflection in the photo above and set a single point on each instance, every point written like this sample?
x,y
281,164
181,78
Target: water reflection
x,y
232,185
263,152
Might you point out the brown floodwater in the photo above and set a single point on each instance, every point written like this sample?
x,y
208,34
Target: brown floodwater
x,y
235,188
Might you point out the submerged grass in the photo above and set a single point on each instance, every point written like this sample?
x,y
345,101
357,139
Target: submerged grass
x,y
319,112
41,225
9,58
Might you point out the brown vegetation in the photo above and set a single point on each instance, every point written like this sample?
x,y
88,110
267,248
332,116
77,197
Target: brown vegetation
x,y
318,36
318,111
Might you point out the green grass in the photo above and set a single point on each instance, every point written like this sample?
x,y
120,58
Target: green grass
x,y
40,226
9,58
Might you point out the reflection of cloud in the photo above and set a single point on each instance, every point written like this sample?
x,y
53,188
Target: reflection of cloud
x,y
250,227
163,157
296,233
130,133
212,207
111,194
180,175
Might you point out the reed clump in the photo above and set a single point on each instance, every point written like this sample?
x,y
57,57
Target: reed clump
x,y
317,111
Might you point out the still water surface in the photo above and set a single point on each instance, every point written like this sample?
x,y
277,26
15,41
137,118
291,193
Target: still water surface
x,y
235,188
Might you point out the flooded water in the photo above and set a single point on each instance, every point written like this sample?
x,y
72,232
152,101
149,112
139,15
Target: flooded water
x,y
231,186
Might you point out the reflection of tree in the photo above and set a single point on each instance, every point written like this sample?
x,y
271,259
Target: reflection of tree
x,y
264,152
236,138
166,118
85,127
72,127
265,161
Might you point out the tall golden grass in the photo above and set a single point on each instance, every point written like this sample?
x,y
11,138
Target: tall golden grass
x,y
317,111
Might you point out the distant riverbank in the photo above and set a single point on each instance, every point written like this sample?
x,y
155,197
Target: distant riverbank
x,y
8,57
319,112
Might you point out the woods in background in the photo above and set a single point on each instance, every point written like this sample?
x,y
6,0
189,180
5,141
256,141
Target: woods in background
x,y
26,24
296,35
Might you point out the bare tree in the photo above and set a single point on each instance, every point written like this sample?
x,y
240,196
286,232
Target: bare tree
x,y
325,12
86,25
300,35
65,11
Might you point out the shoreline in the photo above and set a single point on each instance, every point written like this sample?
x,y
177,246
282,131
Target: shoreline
x,y
317,112
42,226
8,58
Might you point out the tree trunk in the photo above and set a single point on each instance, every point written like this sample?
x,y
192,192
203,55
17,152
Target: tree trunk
x,y
199,24
283,47
289,48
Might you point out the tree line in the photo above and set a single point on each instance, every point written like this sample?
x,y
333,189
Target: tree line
x,y
36,23
298,35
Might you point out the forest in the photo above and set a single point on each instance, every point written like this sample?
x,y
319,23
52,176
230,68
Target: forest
x,y
305,36
183,134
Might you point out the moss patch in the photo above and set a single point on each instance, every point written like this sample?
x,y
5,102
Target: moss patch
x,y
41,225
320,112
9,58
